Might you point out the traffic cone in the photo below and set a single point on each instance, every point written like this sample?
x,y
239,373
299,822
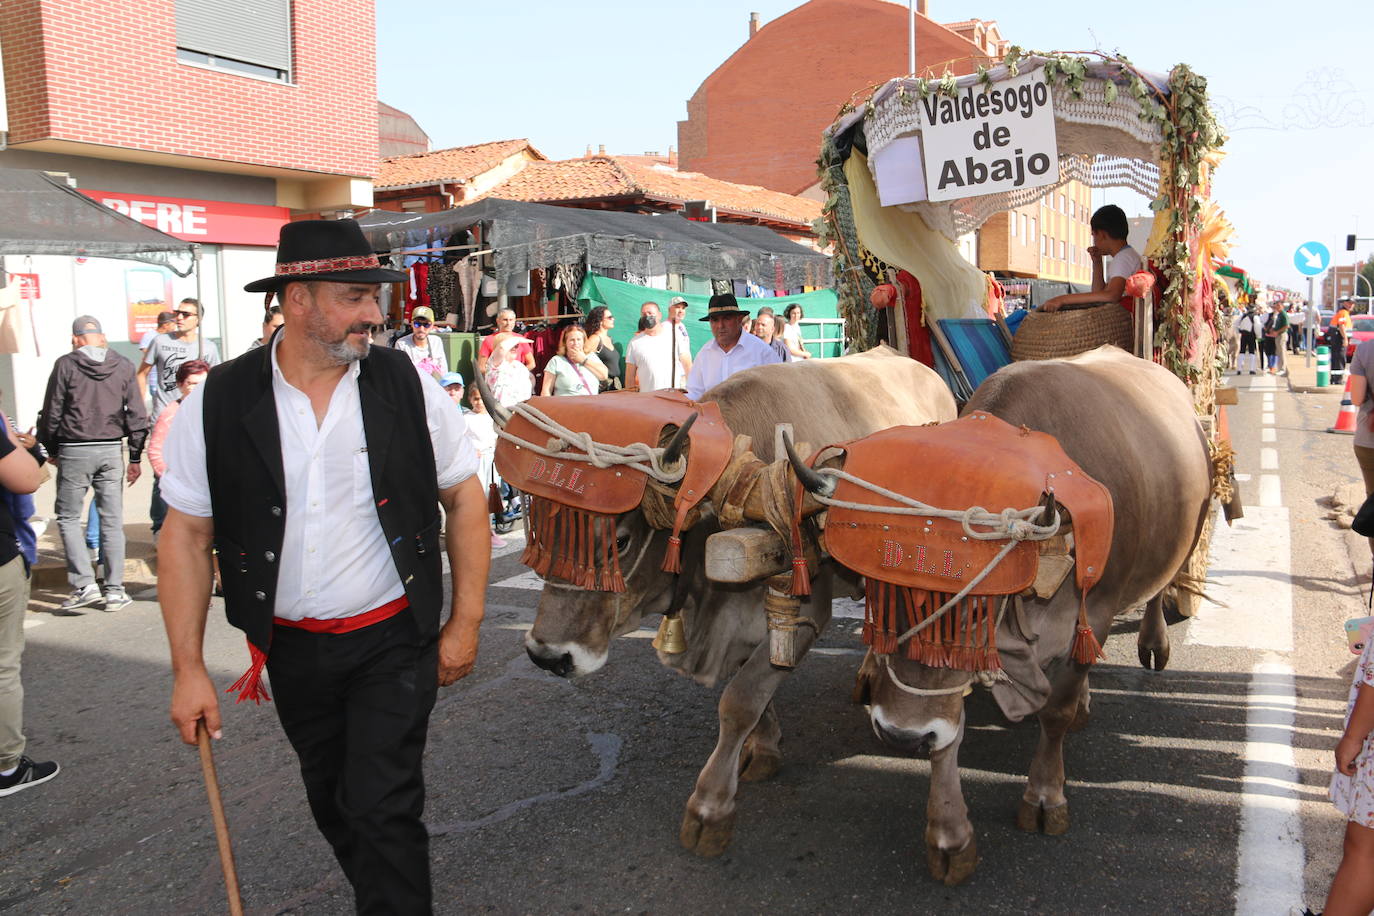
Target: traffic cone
x,y
1346,419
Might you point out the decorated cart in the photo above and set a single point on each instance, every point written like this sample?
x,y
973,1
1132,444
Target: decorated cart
x,y
920,163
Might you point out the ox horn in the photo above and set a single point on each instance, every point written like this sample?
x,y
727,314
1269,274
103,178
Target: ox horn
x,y
499,414
813,482
673,450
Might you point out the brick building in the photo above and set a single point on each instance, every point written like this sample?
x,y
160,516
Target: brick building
x,y
211,121
757,119
1341,281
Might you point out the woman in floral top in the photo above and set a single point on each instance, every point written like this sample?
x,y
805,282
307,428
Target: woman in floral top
x,y
1352,791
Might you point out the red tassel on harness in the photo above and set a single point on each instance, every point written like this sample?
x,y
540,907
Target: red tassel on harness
x,y
249,687
672,558
801,576
494,504
1086,648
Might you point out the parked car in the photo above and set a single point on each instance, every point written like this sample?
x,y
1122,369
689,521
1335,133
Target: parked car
x,y
1362,329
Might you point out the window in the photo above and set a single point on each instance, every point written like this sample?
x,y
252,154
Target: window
x,y
1062,252
1025,225
413,206
1045,245
252,37
1031,238
1012,219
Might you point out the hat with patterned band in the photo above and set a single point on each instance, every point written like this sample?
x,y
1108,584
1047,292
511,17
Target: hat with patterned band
x,y
325,249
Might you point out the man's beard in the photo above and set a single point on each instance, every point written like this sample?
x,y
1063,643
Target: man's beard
x,y
340,351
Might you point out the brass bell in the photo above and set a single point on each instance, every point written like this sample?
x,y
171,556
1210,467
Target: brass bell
x,y
671,638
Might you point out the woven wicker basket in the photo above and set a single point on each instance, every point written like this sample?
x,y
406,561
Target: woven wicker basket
x,y
1054,335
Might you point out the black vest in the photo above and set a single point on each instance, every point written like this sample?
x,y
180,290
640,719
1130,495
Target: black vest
x,y
248,494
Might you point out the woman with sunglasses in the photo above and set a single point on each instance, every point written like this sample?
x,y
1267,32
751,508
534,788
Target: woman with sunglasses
x,y
426,352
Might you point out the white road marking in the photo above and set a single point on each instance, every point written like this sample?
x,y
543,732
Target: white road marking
x,y
1269,434
528,579
1249,601
1269,397
31,622
1269,867
852,608
1270,491
1269,459
1242,477
1267,419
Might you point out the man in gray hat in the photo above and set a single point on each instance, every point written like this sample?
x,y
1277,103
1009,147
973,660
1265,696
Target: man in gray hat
x,y
94,401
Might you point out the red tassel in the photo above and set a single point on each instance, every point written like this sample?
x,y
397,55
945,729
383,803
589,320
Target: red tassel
x,y
617,580
801,577
249,687
672,558
494,504
1086,648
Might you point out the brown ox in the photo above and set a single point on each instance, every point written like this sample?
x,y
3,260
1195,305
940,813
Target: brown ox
x,y
825,401
1130,425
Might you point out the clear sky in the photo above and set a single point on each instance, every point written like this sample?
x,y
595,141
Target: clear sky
x,y
1292,81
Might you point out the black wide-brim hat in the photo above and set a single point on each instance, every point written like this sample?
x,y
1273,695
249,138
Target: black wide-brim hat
x,y
325,249
723,304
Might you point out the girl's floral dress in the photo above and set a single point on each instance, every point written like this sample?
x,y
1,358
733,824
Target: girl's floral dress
x,y
1354,795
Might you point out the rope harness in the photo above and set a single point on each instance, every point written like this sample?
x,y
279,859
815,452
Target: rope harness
x,y
637,455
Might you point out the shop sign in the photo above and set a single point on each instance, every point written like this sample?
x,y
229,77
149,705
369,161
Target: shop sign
x,y
990,139
208,221
28,285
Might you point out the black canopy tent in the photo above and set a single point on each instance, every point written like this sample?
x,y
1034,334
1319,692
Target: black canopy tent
x,y
523,236
44,216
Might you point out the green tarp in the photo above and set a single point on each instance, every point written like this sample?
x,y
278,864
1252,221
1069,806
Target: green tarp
x,y
625,299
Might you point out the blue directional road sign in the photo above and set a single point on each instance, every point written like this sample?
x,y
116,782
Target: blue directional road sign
x,y
1311,258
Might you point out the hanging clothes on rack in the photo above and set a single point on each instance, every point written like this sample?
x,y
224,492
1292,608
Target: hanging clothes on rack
x,y
468,273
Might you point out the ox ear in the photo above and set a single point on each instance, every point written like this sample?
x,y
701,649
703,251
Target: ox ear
x,y
499,414
813,482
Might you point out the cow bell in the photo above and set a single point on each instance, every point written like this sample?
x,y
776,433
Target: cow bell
x,y
671,638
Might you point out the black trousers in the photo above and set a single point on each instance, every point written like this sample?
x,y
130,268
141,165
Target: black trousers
x,y
356,707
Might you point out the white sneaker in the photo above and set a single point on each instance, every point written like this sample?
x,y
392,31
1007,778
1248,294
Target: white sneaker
x,y
116,598
86,596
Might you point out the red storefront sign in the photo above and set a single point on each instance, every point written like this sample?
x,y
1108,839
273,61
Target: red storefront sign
x,y
209,221
28,285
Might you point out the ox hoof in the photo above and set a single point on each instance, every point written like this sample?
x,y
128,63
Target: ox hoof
x,y
1034,818
706,838
759,766
1153,658
952,868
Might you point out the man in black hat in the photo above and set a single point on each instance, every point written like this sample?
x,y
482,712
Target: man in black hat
x,y
729,350
315,466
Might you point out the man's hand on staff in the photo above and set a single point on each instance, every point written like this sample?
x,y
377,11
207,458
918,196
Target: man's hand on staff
x,y
193,699
468,542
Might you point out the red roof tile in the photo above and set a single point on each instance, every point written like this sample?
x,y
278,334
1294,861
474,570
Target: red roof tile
x,y
638,176
456,164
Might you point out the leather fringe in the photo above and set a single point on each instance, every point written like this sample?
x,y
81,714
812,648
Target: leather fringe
x,y
965,638
249,687
672,557
494,504
571,544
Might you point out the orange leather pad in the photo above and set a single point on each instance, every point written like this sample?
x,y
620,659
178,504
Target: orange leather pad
x,y
977,460
618,418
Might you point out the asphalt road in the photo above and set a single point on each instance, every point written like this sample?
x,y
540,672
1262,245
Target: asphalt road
x,y
548,796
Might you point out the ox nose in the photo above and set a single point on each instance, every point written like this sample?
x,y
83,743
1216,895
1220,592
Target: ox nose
x,y
560,665
909,741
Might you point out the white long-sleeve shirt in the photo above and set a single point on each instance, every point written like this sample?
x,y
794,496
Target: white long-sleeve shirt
x,y
713,365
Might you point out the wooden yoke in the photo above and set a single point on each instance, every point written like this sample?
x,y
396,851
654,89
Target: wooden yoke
x,y
571,520
915,563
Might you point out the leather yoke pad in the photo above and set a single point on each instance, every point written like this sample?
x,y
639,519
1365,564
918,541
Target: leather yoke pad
x,y
614,418
977,460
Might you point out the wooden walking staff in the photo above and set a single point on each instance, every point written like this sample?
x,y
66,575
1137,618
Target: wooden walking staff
x,y
226,849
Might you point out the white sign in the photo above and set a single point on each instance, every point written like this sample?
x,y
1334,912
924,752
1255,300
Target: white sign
x,y
990,139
